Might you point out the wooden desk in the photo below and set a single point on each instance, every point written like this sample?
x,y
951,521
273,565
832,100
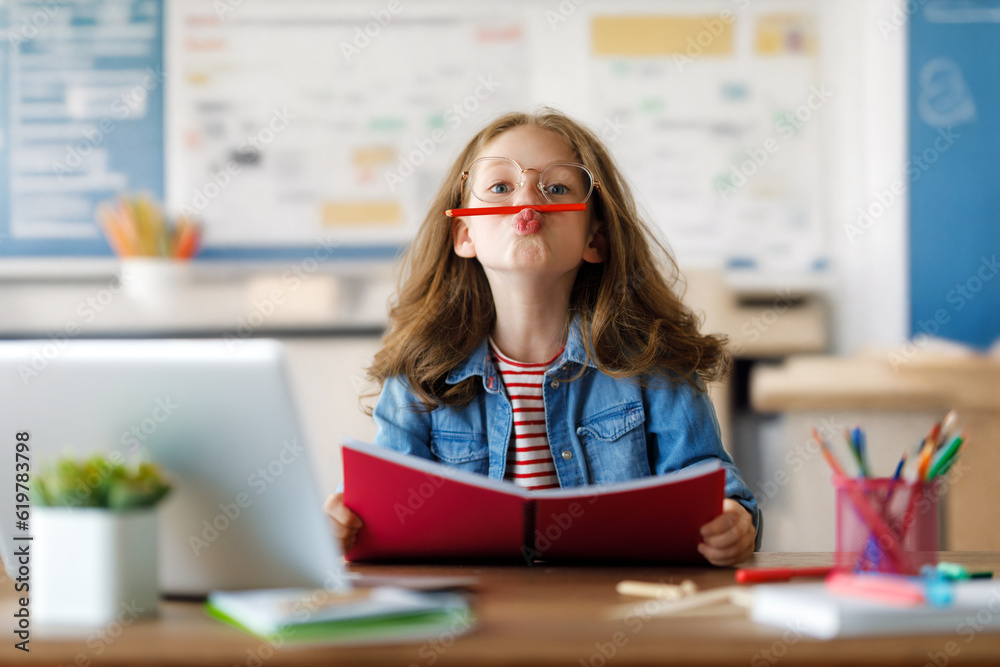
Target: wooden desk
x,y
537,616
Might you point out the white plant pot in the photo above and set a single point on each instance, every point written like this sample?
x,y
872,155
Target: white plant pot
x,y
92,566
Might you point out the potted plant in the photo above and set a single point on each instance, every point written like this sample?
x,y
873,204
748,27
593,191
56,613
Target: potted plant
x,y
94,528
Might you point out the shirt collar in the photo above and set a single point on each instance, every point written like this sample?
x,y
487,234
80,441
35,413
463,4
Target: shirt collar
x,y
479,363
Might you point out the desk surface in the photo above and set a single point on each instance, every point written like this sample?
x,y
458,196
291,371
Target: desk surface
x,y
537,616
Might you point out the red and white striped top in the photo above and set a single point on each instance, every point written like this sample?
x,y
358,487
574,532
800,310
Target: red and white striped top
x,y
529,460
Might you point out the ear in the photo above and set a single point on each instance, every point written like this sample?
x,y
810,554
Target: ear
x,y
596,245
462,240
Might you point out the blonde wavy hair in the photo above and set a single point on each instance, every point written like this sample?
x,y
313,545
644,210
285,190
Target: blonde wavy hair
x,y
633,321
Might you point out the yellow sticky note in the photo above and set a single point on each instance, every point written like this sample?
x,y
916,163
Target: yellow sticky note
x,y
785,34
662,35
357,213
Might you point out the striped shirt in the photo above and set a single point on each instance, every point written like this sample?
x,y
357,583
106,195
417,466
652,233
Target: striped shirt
x,y
529,460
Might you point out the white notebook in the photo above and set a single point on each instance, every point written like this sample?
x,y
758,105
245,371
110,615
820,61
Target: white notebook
x,y
814,611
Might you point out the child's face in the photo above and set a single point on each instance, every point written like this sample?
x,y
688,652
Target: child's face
x,y
544,244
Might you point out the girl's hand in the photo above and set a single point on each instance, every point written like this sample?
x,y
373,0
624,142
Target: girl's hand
x,y
345,522
728,538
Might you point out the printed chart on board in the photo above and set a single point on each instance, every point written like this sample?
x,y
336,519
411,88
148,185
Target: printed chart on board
x,y
724,142
298,120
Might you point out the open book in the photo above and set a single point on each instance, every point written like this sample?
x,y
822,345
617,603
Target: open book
x,y
418,509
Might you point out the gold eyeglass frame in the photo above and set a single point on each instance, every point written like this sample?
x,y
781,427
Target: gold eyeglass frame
x,y
594,183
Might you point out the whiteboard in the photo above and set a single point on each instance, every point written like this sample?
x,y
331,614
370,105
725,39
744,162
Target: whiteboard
x,y
298,124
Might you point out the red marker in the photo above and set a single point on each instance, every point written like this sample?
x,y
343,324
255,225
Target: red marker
x,y
501,210
759,575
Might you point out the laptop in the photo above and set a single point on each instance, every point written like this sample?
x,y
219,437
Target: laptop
x,y
245,511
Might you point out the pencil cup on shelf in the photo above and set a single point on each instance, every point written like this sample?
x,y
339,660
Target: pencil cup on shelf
x,y
153,250
94,532
155,284
886,525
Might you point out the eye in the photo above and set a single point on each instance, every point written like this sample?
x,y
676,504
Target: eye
x,y
557,189
499,188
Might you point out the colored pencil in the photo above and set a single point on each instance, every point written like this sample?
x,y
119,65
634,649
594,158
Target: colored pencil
x,y
503,210
135,227
945,456
827,454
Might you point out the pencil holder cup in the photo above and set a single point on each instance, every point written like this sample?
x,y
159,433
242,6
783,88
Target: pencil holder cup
x,y
886,525
155,284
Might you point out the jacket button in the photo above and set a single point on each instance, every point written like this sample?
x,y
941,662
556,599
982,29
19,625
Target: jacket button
x,y
567,455
555,383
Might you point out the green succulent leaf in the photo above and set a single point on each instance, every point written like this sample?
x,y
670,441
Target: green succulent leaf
x,y
99,482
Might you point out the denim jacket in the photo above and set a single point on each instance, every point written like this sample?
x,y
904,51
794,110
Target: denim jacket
x,y
600,429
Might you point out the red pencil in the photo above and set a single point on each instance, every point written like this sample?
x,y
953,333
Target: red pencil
x,y
827,454
759,575
501,210
188,237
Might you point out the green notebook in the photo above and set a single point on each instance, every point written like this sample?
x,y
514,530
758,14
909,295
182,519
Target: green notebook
x,y
361,616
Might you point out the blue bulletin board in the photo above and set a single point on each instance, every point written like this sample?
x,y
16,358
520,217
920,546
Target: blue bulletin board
x,y
81,118
954,170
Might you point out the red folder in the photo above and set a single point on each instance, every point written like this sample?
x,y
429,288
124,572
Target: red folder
x,y
414,508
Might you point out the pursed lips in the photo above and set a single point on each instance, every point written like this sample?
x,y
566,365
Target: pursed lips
x,y
527,221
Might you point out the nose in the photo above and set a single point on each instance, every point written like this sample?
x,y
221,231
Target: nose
x,y
529,193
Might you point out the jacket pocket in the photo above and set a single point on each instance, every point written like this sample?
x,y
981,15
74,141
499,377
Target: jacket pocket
x,y
614,443
465,450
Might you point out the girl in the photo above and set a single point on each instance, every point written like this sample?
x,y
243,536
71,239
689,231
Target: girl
x,y
547,347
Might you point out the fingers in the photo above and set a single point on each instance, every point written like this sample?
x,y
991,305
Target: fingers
x,y
726,556
344,523
728,538
726,528
335,508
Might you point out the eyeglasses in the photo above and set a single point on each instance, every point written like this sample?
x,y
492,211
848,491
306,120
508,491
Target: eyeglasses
x,y
495,179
